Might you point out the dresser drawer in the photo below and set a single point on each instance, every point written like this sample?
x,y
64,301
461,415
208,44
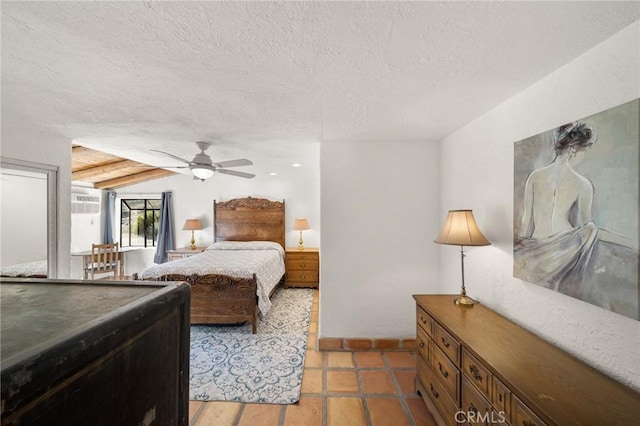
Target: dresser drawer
x,y
446,372
425,321
305,265
446,407
476,407
501,397
423,344
522,415
447,343
477,374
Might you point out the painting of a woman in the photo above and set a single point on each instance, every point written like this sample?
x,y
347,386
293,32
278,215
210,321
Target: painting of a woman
x,y
558,241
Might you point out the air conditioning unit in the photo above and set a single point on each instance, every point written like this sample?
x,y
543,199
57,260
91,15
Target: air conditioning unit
x,y
82,203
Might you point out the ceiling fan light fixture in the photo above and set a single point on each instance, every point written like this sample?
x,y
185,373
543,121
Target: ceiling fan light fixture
x,y
202,172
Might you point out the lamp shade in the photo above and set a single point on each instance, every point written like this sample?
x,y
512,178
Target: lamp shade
x,y
192,225
460,229
300,224
202,172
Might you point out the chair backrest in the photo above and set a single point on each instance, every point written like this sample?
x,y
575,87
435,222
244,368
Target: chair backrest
x,y
104,258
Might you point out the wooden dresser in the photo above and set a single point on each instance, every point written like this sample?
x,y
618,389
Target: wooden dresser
x,y
94,352
475,366
302,267
183,252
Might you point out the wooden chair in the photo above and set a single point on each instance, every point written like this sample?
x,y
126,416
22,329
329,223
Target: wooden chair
x,y
104,259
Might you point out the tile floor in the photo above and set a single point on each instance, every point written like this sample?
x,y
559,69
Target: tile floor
x,y
338,388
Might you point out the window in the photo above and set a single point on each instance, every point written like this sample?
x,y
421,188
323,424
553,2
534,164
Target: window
x,y
139,222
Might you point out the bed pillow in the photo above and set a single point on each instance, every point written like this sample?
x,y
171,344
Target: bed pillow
x,y
247,245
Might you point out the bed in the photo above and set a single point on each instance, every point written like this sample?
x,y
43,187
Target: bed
x,y
222,292
36,269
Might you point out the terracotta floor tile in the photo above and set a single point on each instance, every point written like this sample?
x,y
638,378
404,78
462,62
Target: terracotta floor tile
x,y
307,412
400,359
313,359
345,412
369,360
377,381
260,415
193,408
340,360
312,340
339,381
387,412
311,381
406,380
418,409
218,413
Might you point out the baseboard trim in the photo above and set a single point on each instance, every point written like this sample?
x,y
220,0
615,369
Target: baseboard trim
x,y
357,344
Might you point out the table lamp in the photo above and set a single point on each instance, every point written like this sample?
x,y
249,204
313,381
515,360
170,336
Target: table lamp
x,y
460,229
192,225
301,224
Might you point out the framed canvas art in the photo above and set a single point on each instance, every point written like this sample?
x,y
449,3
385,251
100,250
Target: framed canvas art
x,y
575,209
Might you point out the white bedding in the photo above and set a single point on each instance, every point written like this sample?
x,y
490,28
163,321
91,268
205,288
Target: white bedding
x,y
27,269
235,259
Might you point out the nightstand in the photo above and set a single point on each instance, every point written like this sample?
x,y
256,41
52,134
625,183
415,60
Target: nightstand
x,y
302,267
183,252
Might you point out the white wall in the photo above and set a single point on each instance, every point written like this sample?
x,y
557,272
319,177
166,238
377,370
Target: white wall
x,y
478,160
86,229
27,142
380,214
193,199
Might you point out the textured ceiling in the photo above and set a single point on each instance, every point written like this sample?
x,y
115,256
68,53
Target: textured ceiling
x,y
269,80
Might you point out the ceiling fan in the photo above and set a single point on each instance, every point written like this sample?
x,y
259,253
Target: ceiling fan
x,y
203,168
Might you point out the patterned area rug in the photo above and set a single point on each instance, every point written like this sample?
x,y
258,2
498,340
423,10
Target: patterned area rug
x,y
228,363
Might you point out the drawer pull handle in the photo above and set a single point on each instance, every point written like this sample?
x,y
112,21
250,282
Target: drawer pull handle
x,y
424,321
433,391
475,372
443,372
500,397
303,265
472,408
421,344
444,342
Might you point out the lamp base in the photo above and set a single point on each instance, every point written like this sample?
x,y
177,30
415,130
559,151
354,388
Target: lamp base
x,y
464,300
193,242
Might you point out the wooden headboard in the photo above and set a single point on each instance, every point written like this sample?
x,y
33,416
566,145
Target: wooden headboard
x,y
249,219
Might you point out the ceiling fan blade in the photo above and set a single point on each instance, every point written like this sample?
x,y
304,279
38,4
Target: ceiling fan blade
x,y
234,163
171,155
236,173
144,166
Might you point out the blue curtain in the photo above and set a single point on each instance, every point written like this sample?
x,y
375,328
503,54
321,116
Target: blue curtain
x,y
109,218
165,231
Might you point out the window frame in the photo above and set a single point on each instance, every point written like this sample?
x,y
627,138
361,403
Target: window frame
x,y
124,202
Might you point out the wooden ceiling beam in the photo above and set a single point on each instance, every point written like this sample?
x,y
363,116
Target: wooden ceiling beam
x,y
107,168
81,150
132,179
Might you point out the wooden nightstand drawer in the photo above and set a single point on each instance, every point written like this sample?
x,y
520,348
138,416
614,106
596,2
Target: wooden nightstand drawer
x,y
303,265
300,255
302,276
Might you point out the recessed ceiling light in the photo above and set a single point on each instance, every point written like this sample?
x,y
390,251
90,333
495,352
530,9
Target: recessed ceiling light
x,y
273,174
296,165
